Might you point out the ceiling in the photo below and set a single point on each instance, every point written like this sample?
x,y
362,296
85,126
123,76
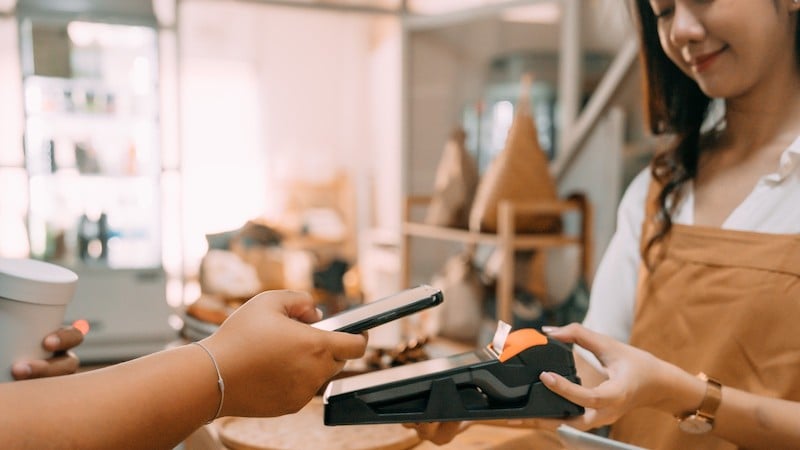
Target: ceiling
x,y
422,7
424,11
422,14
411,5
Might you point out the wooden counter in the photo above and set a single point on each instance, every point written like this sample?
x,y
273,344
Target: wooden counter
x,y
476,437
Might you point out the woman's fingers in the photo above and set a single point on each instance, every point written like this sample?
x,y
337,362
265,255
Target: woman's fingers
x,y
576,333
601,402
588,420
569,390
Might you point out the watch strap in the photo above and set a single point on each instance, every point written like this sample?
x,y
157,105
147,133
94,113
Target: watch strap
x,y
711,399
702,419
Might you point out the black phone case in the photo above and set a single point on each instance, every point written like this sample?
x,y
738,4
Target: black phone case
x,y
388,316
433,298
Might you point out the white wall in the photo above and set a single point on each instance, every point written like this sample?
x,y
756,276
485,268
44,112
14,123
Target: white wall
x,y
13,178
297,93
382,189
597,172
313,74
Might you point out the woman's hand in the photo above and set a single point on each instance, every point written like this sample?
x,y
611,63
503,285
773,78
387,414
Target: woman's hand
x,y
635,378
631,378
63,361
272,362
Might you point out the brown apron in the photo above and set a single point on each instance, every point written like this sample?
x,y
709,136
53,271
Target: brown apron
x,y
723,302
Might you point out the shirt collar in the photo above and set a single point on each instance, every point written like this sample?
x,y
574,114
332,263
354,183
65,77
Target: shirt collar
x,y
790,160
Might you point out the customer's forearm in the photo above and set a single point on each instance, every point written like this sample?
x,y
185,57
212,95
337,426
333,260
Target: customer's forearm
x,y
151,402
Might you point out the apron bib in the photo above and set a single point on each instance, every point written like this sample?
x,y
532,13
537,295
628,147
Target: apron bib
x,y
723,302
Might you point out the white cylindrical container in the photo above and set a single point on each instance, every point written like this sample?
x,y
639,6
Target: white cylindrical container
x,y
33,298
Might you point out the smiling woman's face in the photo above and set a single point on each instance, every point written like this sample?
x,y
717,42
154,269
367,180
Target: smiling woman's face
x,y
729,47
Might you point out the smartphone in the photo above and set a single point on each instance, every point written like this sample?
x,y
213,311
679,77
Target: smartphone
x,y
379,312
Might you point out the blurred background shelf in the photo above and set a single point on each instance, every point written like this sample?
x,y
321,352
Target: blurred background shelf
x,y
507,240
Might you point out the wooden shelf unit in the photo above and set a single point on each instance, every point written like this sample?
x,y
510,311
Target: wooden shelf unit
x,y
506,239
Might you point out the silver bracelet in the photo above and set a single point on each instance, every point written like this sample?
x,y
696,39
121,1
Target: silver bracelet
x,y
220,383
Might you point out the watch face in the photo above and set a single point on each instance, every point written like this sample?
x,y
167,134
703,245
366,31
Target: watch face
x,y
695,424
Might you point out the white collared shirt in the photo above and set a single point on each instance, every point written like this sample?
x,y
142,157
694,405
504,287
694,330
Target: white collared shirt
x,y
772,207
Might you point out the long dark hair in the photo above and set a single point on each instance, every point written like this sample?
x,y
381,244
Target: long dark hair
x,y
674,105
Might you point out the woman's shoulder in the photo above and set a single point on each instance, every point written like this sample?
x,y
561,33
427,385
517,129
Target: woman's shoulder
x,y
633,201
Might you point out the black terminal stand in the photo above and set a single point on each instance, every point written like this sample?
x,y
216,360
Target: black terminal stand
x,y
469,386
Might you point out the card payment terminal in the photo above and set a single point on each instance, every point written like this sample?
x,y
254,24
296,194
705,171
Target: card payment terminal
x,y
476,385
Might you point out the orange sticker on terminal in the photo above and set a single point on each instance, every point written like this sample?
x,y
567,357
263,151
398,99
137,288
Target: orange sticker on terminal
x,y
520,340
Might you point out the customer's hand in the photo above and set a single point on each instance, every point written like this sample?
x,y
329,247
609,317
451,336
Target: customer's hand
x,y
62,362
272,362
439,433
636,378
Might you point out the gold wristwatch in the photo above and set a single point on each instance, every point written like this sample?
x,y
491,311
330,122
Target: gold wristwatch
x,y
702,420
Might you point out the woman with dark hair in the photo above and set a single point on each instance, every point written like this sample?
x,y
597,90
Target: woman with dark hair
x,y
707,240
695,303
